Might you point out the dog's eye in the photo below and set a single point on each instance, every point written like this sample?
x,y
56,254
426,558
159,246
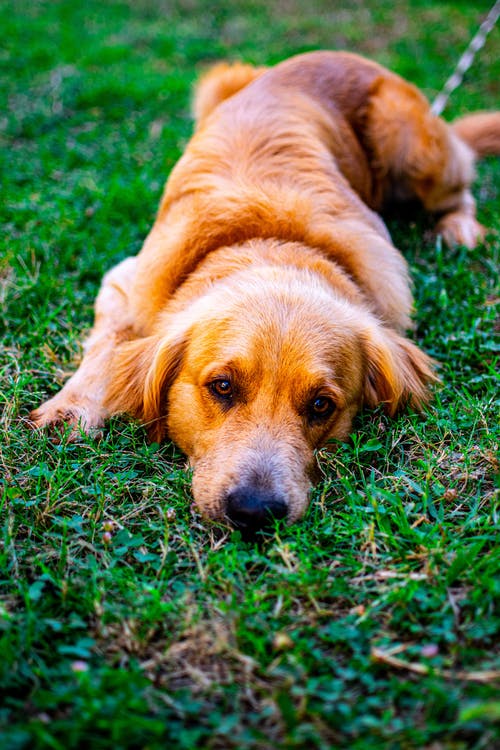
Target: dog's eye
x,y
321,408
222,388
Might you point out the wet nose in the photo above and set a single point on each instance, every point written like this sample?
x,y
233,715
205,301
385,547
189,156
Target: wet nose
x,y
252,508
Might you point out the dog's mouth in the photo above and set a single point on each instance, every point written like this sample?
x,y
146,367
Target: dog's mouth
x,y
260,482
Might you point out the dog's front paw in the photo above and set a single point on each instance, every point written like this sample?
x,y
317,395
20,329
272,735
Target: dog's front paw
x,y
460,228
62,414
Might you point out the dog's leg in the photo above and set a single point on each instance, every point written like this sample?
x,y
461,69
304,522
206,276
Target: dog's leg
x,y
377,267
479,133
417,155
80,402
459,226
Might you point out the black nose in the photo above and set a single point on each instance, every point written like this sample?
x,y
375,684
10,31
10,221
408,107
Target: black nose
x,y
252,508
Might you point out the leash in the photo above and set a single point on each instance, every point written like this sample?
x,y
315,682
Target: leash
x,y
466,60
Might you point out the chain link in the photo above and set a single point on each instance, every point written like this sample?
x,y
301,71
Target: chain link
x,y
466,60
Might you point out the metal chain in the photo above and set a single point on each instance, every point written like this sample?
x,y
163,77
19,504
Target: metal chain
x,y
466,60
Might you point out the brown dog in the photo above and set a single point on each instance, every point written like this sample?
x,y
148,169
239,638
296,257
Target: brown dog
x,y
268,303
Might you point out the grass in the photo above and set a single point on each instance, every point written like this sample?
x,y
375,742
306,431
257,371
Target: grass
x,y
126,621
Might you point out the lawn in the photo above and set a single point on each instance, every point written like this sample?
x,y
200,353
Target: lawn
x,y
126,621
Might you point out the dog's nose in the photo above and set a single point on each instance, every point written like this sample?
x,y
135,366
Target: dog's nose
x,y
251,508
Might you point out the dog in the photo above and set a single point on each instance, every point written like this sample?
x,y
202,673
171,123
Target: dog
x,y
268,303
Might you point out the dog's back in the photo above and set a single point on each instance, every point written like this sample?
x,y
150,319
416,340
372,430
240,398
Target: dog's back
x,y
385,139
320,95
307,152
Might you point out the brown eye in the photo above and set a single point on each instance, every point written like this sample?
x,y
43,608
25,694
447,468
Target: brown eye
x,y
321,408
222,388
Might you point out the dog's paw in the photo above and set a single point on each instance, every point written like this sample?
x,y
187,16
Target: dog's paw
x,y
66,416
460,228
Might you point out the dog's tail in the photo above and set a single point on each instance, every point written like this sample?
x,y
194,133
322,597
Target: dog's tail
x,y
480,131
219,83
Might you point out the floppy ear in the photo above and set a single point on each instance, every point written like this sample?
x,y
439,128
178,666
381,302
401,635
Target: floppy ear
x,y
398,373
143,370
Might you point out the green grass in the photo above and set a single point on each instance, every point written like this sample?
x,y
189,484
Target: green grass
x,y
126,621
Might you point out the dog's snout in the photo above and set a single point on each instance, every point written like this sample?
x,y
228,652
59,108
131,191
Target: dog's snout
x,y
251,508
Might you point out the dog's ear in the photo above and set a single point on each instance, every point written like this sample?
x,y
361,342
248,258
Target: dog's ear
x,y
398,373
142,372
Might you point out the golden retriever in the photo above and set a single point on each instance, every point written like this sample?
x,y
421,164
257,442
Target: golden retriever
x,y
268,303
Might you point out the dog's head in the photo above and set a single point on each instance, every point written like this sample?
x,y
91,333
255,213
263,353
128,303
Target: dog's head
x,y
254,376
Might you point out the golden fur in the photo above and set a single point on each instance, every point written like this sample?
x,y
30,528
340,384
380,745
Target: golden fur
x,y
268,303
